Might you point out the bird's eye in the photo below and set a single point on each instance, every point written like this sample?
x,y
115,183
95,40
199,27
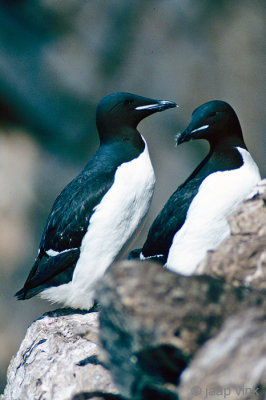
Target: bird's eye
x,y
213,114
127,102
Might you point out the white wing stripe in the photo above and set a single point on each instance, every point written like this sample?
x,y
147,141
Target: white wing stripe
x,y
53,253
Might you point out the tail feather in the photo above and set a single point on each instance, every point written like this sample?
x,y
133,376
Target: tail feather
x,y
47,272
24,293
20,295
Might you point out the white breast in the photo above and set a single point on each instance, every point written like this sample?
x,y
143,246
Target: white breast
x,y
113,224
206,223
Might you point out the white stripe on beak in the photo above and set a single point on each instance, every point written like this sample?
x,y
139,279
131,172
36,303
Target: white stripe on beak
x,y
160,106
147,107
200,129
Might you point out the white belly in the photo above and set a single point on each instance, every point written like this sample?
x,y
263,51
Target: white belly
x,y
113,223
206,223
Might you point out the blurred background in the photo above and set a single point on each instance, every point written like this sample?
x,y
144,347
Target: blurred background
x,y
58,58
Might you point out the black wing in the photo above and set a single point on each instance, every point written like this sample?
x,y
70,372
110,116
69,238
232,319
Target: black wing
x,y
174,213
169,221
72,210
66,225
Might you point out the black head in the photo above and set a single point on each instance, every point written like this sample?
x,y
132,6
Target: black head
x,y
118,113
214,121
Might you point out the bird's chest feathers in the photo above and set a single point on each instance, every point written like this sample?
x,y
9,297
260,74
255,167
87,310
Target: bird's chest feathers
x,y
132,189
206,222
120,212
221,191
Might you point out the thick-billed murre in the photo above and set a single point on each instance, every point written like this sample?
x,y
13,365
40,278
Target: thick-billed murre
x,y
194,219
99,211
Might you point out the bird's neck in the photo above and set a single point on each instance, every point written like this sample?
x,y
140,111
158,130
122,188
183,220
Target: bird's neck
x,y
224,156
230,138
227,143
126,135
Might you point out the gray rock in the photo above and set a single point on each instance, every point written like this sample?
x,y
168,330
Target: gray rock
x,y
232,365
58,359
152,323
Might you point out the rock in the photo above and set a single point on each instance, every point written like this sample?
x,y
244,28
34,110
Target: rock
x,y
241,259
58,359
206,331
232,365
152,322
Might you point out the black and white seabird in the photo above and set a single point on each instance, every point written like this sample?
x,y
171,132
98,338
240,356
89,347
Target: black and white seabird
x,y
99,211
194,220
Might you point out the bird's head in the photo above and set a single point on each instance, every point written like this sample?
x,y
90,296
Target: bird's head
x,y
122,111
214,121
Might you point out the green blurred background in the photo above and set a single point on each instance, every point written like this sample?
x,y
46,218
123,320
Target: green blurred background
x,y
58,58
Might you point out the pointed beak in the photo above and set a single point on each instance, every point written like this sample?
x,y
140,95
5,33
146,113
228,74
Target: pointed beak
x,y
190,134
160,105
183,137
